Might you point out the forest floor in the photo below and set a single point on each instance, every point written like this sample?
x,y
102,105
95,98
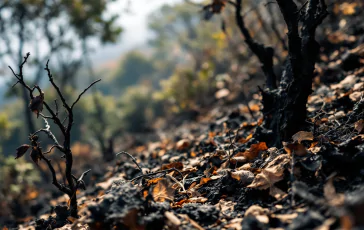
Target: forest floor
x,y
213,173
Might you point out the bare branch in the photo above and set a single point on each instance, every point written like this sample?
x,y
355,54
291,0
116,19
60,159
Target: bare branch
x,y
84,91
54,178
132,158
50,77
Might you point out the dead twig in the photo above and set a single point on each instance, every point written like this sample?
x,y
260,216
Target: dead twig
x,y
132,158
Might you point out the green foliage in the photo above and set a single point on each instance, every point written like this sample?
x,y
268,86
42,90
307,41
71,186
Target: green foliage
x,y
186,88
103,116
134,67
5,127
137,108
87,18
15,175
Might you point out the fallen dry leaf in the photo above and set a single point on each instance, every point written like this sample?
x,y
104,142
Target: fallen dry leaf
x,y
359,126
153,181
271,174
302,136
258,212
204,180
183,144
295,148
163,191
243,176
331,196
285,218
176,165
254,150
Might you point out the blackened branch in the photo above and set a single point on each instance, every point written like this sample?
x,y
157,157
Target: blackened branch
x,y
84,91
132,158
54,178
50,77
263,53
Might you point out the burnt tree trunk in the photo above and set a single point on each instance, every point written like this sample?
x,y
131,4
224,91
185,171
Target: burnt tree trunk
x,y
285,107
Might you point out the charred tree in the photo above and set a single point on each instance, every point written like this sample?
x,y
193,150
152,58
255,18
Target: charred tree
x,y
285,108
284,104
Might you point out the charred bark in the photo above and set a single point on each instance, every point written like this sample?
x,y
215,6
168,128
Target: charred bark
x,y
285,108
264,53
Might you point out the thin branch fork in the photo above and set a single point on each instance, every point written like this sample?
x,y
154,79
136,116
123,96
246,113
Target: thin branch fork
x,y
264,54
61,187
72,187
84,91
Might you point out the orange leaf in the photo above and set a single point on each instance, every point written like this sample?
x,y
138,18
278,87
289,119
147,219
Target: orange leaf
x,y
244,140
254,150
204,180
176,165
163,191
296,148
153,181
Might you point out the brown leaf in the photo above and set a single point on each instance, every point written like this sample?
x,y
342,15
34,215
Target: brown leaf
x,y
271,174
35,154
182,144
176,165
285,218
295,148
244,176
163,191
244,140
258,212
359,126
302,136
331,196
254,150
276,192
36,104
21,150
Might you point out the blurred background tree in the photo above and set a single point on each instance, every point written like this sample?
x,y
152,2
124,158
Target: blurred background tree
x,y
64,29
60,30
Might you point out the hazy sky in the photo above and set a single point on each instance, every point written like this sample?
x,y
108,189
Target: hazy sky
x,y
135,31
134,24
